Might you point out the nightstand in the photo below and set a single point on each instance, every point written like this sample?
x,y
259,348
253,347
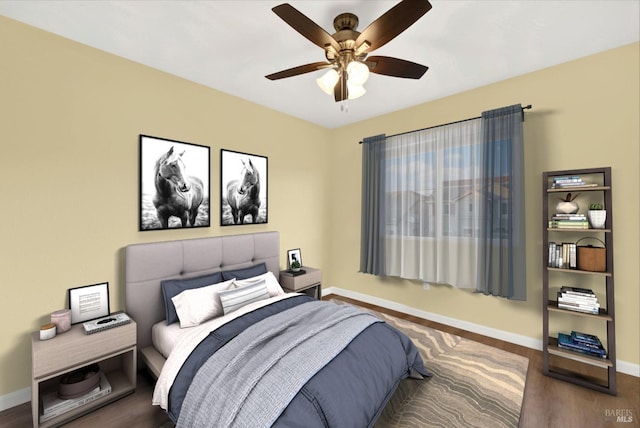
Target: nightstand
x,y
309,283
114,350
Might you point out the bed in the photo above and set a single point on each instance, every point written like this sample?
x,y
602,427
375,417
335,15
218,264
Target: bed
x,y
267,358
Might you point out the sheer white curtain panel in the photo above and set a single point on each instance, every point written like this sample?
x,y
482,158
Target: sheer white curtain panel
x,y
432,189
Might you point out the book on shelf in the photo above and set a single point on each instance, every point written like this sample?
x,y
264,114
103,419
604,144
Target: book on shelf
x,y
578,309
573,256
551,262
576,184
576,298
587,309
570,181
563,256
565,216
566,342
586,302
586,339
578,291
568,224
54,406
581,303
566,180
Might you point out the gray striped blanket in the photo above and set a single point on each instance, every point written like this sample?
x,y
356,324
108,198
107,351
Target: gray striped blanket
x,y
258,372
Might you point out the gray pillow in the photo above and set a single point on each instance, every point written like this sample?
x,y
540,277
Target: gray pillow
x,y
234,299
245,273
173,287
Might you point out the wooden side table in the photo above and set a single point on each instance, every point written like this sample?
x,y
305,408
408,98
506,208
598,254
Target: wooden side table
x,y
114,350
309,282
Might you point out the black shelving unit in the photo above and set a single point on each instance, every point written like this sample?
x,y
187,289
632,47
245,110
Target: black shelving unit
x,y
599,180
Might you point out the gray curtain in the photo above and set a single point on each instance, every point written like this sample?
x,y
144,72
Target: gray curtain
x,y
501,255
372,254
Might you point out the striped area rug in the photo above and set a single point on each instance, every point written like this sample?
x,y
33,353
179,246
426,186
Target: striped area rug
x,y
473,385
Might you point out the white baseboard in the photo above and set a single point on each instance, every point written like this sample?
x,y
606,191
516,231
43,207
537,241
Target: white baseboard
x,y
622,366
15,398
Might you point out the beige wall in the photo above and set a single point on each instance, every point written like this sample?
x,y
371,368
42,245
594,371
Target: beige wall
x,y
70,120
585,114
70,117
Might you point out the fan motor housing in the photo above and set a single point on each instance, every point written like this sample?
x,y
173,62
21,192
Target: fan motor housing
x,y
345,21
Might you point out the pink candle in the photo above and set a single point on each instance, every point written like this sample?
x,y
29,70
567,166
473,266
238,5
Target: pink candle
x,y
62,320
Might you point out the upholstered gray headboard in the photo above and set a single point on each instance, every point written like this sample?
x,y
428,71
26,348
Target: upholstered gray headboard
x,y
148,264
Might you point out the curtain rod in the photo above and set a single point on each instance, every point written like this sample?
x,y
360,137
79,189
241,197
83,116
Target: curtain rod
x,y
527,107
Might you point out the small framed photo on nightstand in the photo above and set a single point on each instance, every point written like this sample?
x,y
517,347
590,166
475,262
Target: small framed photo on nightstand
x,y
89,302
294,260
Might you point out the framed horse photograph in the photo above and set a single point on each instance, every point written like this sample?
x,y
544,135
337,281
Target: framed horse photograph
x,y
174,184
243,182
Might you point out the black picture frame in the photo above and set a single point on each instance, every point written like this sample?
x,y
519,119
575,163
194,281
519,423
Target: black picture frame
x,y
89,302
248,205
175,184
292,255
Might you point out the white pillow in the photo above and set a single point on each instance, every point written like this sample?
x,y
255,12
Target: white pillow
x,y
273,286
199,304
236,298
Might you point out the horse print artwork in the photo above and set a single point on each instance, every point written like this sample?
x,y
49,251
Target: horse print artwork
x,y
179,174
244,182
177,195
243,195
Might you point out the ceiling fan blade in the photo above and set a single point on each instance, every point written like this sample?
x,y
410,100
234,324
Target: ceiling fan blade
x,y
393,22
301,69
341,91
305,26
395,67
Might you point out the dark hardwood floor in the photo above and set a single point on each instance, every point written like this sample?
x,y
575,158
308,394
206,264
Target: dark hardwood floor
x,y
548,403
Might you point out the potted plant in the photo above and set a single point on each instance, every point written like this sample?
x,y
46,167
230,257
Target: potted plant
x,y
567,204
295,266
597,215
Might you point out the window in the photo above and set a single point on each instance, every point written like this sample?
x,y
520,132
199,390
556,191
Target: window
x,y
439,199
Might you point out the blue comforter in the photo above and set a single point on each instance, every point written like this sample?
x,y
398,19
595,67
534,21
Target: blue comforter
x,y
350,391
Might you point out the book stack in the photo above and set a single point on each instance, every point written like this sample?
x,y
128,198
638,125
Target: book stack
x,y
53,405
578,299
568,221
582,342
563,256
569,181
293,273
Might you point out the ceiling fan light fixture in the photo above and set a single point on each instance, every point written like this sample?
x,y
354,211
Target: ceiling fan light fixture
x,y
347,49
355,91
328,81
358,72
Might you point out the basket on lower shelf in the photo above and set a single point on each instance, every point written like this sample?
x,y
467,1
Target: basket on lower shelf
x,y
53,405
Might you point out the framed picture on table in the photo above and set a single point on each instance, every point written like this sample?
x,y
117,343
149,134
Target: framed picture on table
x,y
89,302
294,260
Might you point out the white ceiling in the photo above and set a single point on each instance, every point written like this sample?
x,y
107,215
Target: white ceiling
x,y
232,45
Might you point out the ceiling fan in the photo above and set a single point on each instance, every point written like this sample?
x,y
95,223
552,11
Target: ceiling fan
x,y
346,50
